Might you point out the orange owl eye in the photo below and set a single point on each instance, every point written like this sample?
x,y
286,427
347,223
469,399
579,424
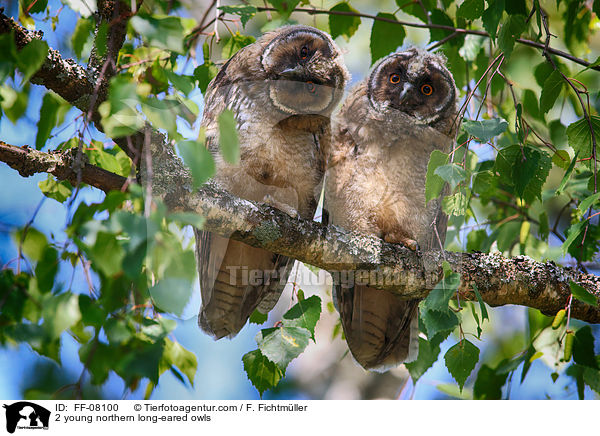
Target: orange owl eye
x,y
304,52
311,87
395,78
427,89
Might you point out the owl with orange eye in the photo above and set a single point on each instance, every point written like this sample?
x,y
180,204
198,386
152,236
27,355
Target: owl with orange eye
x,y
375,184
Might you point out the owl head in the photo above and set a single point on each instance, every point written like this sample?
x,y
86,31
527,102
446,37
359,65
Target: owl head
x,y
305,70
416,83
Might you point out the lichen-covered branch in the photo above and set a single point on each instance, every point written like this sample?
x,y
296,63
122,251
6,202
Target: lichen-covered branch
x,y
28,161
500,281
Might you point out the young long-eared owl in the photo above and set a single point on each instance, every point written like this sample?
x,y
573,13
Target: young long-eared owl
x,y
281,90
375,184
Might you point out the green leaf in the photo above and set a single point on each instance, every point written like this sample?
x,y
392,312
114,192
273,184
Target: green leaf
x,y
441,18
485,130
471,47
580,138
434,183
304,314
588,202
461,360
284,7
184,360
181,82
46,269
510,31
417,9
162,32
488,385
228,137
198,159
552,88
204,74
567,176
438,323
244,11
106,243
583,295
452,173
428,354
342,24
526,168
235,43
32,244
572,233
439,296
60,312
81,35
455,204
117,331
59,191
263,373
385,37
491,17
92,314
591,377
583,348
258,318
475,240
561,159
48,119
172,294
484,312
282,344
34,6
470,9
31,58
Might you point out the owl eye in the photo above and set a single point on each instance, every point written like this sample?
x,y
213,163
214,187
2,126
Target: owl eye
x,y
395,78
427,89
311,87
304,52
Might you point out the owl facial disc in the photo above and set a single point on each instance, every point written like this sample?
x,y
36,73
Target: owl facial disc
x,y
414,82
304,71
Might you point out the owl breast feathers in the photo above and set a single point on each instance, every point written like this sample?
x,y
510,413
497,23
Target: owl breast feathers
x,y
281,90
375,184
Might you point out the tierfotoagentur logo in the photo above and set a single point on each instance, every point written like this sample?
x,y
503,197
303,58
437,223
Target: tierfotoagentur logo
x,y
26,416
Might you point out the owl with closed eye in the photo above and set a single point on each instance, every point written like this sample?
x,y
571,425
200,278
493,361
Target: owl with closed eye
x,y
282,90
375,184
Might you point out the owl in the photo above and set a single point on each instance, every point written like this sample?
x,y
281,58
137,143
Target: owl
x,y
281,90
375,184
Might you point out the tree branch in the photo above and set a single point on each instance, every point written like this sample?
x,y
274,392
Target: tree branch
x,y
520,280
523,41
28,161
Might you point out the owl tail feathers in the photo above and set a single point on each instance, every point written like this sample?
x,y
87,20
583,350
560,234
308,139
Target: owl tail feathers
x,y
383,332
236,279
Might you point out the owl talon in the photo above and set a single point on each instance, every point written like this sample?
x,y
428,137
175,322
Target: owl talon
x,y
411,244
286,208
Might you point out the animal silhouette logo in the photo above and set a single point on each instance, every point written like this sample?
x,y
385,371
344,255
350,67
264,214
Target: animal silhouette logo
x,y
26,415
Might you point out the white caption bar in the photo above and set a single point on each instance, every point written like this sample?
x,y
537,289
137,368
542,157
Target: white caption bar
x,y
89,418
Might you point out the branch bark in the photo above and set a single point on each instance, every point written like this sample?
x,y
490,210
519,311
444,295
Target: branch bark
x,y
28,161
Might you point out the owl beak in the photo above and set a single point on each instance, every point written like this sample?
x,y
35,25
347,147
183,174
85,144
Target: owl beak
x,y
404,93
296,73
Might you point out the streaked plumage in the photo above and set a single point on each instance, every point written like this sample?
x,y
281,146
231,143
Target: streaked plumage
x,y
281,89
383,137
